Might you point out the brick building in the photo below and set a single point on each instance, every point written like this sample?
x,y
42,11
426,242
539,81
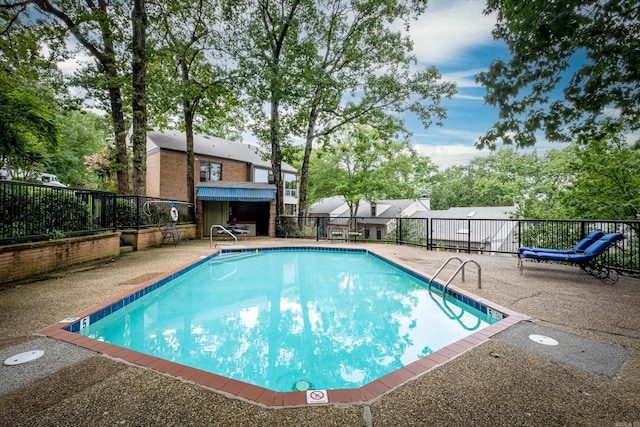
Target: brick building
x,y
232,185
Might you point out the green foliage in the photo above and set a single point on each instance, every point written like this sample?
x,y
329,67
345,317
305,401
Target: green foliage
x,y
500,179
599,180
81,134
42,211
605,180
365,164
546,39
309,68
27,123
127,213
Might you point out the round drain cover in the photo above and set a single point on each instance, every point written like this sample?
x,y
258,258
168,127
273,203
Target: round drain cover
x,y
302,385
25,357
541,339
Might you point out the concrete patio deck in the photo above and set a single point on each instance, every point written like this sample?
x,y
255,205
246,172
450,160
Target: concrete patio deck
x,y
592,378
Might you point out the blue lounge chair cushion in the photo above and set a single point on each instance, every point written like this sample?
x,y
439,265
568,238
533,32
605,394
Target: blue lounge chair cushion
x,y
579,247
590,253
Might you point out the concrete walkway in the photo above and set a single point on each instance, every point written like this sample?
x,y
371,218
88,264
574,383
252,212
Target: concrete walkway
x,y
592,378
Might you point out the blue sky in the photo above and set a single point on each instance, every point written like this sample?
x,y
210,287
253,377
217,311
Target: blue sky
x,y
455,36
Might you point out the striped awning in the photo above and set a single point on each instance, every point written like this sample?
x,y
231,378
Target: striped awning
x,y
236,194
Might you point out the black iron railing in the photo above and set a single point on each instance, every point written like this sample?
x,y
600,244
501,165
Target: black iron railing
x,y
33,212
471,235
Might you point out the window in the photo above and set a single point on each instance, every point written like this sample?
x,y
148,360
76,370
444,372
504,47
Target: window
x,y
290,209
210,171
260,175
290,185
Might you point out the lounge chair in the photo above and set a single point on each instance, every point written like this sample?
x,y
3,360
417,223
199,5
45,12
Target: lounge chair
x,y
579,247
586,260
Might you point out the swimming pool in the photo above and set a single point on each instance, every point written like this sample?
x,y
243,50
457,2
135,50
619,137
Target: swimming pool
x,y
347,317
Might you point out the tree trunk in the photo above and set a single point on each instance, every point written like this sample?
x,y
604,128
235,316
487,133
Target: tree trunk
x,y
276,157
188,127
109,65
188,110
120,140
139,107
304,171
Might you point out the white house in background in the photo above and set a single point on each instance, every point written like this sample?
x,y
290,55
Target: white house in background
x,y
469,228
373,218
475,229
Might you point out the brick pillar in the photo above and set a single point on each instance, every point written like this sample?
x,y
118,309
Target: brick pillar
x,y
272,219
199,219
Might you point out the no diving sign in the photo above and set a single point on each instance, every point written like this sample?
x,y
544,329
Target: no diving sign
x,y
317,396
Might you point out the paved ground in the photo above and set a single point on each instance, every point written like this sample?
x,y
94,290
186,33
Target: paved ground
x,y
592,378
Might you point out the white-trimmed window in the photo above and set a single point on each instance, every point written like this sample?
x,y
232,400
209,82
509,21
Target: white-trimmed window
x,y
210,171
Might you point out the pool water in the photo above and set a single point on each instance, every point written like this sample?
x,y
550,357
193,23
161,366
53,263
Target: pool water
x,y
277,318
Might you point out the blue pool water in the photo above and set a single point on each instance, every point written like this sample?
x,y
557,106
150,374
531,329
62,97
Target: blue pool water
x,y
335,319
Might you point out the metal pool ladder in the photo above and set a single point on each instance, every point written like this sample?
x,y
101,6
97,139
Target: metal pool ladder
x,y
224,230
460,268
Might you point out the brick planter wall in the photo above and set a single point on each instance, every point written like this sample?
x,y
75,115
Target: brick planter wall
x,y
143,239
23,260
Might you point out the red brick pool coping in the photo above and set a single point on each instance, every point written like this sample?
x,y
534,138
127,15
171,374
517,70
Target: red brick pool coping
x,y
266,397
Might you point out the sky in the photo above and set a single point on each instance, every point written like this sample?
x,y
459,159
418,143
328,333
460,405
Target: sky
x,y
455,36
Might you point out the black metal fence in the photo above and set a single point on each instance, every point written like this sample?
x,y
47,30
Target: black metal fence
x,y
33,212
472,235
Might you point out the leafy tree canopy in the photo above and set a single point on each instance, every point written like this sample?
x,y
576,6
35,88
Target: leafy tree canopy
x,y
27,123
81,134
605,178
546,40
365,164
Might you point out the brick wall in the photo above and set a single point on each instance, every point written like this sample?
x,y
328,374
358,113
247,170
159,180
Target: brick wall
x,y
143,239
32,259
232,170
173,175
172,180
153,175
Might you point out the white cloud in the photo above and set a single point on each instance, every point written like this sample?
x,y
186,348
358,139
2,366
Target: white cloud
x,y
463,78
445,156
78,61
468,97
448,28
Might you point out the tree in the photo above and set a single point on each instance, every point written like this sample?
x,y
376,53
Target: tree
x,y
272,53
320,66
501,179
186,78
99,28
544,198
139,96
605,178
28,128
548,41
82,134
355,49
367,164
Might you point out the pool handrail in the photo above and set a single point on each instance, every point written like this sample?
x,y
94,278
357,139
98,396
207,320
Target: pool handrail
x,y
224,230
460,267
